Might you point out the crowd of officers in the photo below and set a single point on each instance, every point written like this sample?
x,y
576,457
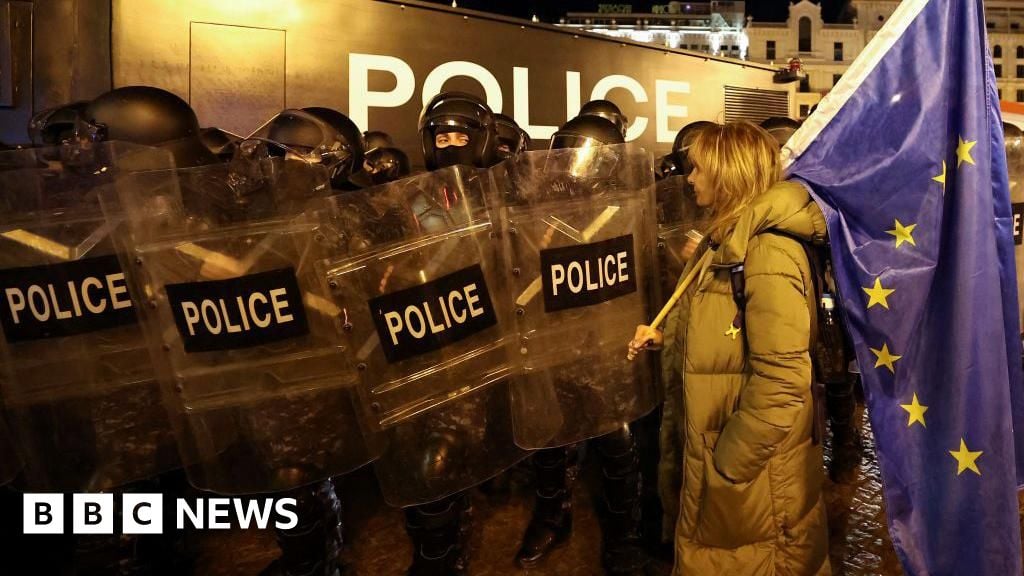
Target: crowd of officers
x,y
455,129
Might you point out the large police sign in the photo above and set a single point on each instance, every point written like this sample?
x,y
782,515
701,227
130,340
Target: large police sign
x,y
379,61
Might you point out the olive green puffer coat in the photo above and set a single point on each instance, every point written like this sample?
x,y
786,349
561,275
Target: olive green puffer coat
x,y
738,469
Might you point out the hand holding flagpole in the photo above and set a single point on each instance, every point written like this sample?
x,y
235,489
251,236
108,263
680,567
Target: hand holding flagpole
x,y
644,338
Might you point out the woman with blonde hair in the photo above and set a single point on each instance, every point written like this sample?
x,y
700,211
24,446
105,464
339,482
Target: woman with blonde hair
x,y
740,471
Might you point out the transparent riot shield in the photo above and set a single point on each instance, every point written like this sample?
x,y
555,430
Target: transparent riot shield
x,y
681,225
578,231
78,387
426,319
243,332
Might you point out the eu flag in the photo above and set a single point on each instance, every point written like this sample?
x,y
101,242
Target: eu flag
x,y
905,156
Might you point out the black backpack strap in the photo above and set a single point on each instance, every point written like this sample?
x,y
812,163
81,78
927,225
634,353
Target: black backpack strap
x,y
738,281
817,384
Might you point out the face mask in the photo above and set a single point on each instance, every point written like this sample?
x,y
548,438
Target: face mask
x,y
453,156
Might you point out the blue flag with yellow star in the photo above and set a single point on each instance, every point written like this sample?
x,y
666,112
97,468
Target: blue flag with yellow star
x,y
905,156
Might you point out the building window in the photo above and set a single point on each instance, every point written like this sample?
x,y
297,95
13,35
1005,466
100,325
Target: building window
x,y
1020,95
804,110
769,50
990,25
1020,51
837,51
805,34
999,70
835,78
805,84
1015,26
997,51
1020,70
1000,91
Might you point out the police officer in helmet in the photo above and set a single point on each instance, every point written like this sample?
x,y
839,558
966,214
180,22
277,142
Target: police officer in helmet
x,y
512,139
148,116
620,502
609,111
455,128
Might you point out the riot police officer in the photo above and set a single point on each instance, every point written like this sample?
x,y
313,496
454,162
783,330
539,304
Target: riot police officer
x,y
781,128
512,139
676,162
323,136
455,129
149,116
619,505
314,137
377,139
385,164
220,142
55,126
609,111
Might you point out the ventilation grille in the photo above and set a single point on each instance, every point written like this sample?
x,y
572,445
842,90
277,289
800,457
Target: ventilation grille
x,y
753,104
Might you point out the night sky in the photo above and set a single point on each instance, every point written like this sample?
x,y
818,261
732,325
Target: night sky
x,y
551,10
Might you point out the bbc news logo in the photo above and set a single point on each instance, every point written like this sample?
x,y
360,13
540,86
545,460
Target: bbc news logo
x,y
144,513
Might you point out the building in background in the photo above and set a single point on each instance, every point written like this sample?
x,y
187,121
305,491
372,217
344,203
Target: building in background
x,y
714,27
824,49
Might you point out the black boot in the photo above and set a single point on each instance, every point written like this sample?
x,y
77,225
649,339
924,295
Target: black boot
x,y
847,449
622,550
313,547
440,536
551,524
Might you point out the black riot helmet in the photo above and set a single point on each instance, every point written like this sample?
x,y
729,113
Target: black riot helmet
x,y
318,136
346,130
681,146
586,130
512,139
148,116
609,111
385,165
462,113
667,166
374,139
55,126
592,161
220,142
781,128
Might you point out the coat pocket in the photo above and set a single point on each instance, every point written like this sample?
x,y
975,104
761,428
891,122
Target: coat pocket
x,y
732,515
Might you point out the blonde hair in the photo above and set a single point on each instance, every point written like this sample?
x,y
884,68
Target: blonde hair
x,y
741,161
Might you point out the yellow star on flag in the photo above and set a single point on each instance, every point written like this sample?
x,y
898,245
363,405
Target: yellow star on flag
x,y
732,331
941,178
916,411
885,358
963,152
903,233
965,459
877,294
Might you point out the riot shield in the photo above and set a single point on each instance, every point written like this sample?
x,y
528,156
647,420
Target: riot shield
x,y
242,330
578,231
78,387
426,319
681,225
